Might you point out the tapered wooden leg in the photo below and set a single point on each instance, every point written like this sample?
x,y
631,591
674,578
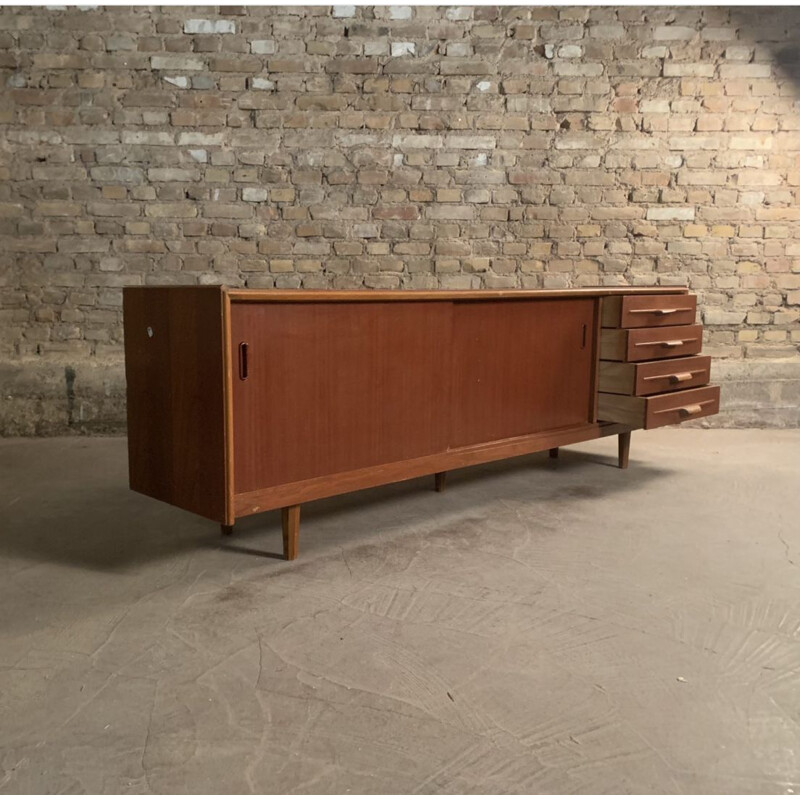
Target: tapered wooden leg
x,y
227,530
439,481
290,518
624,449
553,452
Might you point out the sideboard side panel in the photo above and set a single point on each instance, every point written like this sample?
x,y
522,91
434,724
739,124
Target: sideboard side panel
x,y
175,386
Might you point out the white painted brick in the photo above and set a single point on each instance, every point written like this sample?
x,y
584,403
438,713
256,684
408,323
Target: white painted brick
x,y
654,106
578,69
471,142
147,138
745,71
366,230
576,141
738,53
607,31
635,142
670,212
202,139
694,143
414,141
685,69
655,51
377,47
718,34
265,47
400,12
344,12
459,49
403,49
752,142
673,33
177,63
458,13
717,316
254,194
209,26
181,81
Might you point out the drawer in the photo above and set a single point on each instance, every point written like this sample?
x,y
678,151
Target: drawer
x,y
660,409
649,311
653,377
647,344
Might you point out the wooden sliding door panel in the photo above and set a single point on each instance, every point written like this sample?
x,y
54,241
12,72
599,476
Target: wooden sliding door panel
x,y
332,387
520,367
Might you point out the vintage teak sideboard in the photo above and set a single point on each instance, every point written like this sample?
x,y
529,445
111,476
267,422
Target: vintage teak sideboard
x,y
242,401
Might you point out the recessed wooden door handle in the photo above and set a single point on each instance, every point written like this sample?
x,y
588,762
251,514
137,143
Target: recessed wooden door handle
x,y
243,365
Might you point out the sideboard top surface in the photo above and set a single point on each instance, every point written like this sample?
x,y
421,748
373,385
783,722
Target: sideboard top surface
x,y
414,295
365,295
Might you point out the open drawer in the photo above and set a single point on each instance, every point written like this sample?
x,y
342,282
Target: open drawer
x,y
648,311
653,377
660,409
647,344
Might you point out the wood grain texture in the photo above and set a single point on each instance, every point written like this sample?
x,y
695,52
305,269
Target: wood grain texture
x,y
654,377
623,449
330,485
438,295
520,367
647,344
675,407
659,410
290,525
339,386
175,387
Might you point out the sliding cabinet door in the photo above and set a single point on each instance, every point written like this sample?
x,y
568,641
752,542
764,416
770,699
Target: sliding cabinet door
x,y
519,367
332,387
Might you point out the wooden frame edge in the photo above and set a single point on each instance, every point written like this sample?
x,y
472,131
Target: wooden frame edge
x,y
227,401
415,295
255,502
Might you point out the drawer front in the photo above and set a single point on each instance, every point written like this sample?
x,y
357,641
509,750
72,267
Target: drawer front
x,y
660,409
647,344
649,311
654,377
675,407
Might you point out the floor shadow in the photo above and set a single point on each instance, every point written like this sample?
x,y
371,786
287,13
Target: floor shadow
x,y
85,515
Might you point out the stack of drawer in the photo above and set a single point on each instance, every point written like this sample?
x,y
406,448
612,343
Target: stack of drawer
x,y
650,371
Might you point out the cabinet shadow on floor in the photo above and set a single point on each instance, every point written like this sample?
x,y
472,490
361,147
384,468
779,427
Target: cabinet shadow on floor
x,y
91,519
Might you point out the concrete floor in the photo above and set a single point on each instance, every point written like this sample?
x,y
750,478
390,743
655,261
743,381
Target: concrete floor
x,y
540,627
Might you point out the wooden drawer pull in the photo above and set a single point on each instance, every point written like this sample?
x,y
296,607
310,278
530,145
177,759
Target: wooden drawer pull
x,y
686,411
658,311
668,343
676,377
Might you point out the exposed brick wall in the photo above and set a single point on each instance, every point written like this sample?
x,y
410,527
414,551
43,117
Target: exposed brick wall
x,y
393,147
